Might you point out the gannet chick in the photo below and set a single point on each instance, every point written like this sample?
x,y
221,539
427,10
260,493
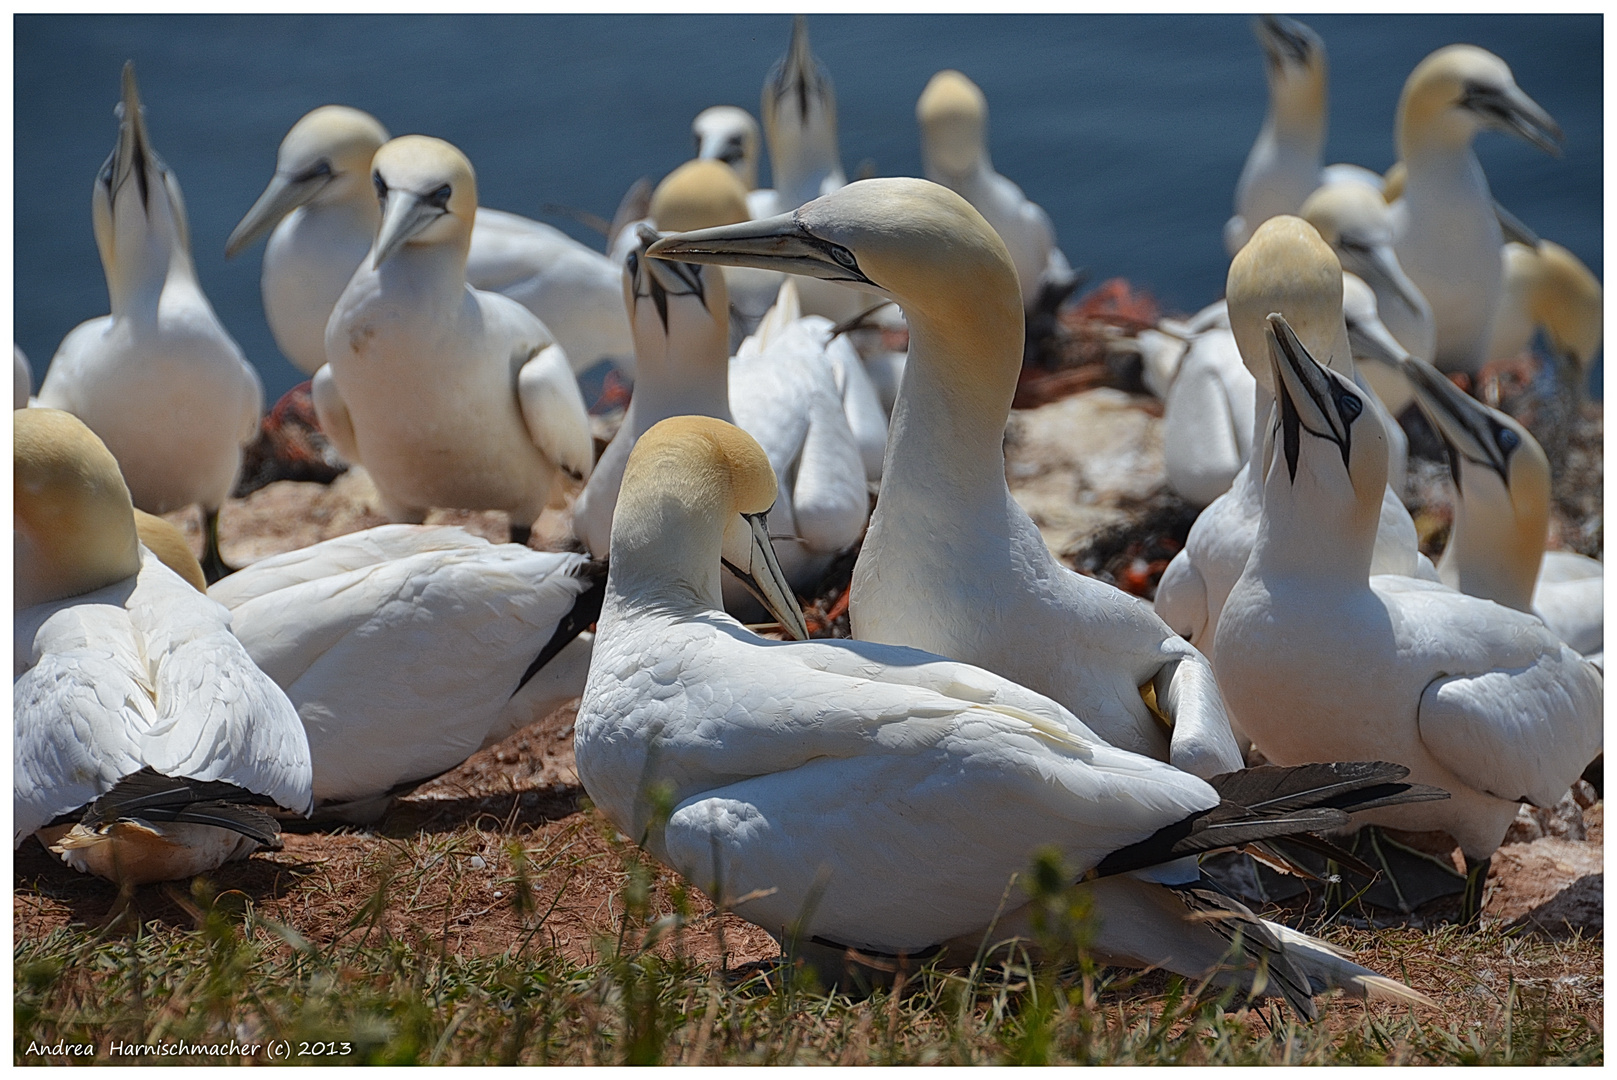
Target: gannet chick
x,y
1319,659
22,378
953,114
1502,517
159,381
843,783
145,740
323,211
1283,166
951,563
1285,267
405,649
1448,233
449,396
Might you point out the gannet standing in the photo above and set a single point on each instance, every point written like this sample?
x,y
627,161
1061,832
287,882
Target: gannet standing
x,y
449,396
880,794
146,741
951,563
406,648
22,378
1283,166
953,114
159,380
1319,659
1448,233
322,208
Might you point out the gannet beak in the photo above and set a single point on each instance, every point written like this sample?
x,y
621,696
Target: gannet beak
x,y
752,560
133,156
1509,109
1285,40
1372,341
1462,421
283,195
404,214
776,243
1379,268
1514,228
1308,397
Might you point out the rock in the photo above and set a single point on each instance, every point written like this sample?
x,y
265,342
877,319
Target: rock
x,y
1550,885
1564,820
1579,906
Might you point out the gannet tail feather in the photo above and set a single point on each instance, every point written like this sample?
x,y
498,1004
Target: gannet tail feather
x,y
150,796
1254,940
1327,967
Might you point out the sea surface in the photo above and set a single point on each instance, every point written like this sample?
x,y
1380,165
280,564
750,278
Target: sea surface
x,y
1129,130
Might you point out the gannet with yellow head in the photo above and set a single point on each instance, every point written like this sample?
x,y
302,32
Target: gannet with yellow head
x,y
449,396
160,381
953,115
146,740
951,563
1319,659
1448,232
840,783
1548,287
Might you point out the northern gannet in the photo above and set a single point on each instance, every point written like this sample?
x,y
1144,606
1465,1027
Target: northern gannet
x,y
146,741
951,563
159,381
1547,287
1285,267
1319,659
730,134
1502,517
449,396
406,648
881,797
1283,166
1448,232
953,115
323,211
22,378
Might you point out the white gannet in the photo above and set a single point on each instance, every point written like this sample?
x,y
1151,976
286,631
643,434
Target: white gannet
x,y
951,563
1320,660
1547,287
1285,267
403,649
881,797
322,208
22,378
449,396
953,115
1283,166
145,739
1502,517
160,381
1448,232
730,134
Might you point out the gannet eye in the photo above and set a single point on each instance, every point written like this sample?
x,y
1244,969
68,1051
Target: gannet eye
x,y
315,171
633,262
381,186
1507,439
1350,407
440,198
844,256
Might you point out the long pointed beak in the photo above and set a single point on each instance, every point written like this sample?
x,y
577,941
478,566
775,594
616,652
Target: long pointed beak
x,y
1285,40
1510,109
133,154
1309,398
1461,419
1379,268
759,570
1371,340
404,216
280,198
1514,228
776,243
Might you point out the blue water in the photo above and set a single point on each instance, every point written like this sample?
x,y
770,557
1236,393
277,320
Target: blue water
x,y
1129,130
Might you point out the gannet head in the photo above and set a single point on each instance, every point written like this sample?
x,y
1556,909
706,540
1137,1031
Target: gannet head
x,y
1287,267
73,521
428,195
326,157
700,194
953,114
1458,91
1357,223
799,110
1294,61
695,494
162,539
728,134
677,300
1567,302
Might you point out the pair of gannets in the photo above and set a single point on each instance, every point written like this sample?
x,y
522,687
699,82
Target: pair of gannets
x,y
1320,659
145,738
160,381
449,396
951,563
855,794
953,115
323,210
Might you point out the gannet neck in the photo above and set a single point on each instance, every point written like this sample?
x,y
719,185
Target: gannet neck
x,y
799,108
1287,268
74,520
728,134
1296,68
953,115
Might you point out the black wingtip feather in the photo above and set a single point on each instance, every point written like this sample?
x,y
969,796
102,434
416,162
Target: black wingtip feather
x,y
586,610
148,795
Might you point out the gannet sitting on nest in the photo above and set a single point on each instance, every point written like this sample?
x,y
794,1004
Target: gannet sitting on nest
x,y
450,397
406,648
146,741
1448,232
953,115
1285,267
323,211
1502,517
159,381
880,797
1319,659
951,563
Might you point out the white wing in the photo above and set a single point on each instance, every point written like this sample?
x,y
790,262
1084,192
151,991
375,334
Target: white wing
x,y
554,411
